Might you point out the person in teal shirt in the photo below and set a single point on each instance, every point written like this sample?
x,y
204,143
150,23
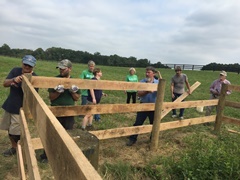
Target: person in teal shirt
x,y
88,74
131,77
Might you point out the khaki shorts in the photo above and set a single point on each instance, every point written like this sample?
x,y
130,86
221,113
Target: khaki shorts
x,y
11,123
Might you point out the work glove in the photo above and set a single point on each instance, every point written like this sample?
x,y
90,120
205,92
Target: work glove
x,y
59,88
73,89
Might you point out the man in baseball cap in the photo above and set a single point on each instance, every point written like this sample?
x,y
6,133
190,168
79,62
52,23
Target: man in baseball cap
x,y
215,89
13,103
63,64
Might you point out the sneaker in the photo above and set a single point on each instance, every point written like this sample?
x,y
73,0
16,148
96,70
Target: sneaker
x,y
83,128
181,117
9,152
130,142
174,116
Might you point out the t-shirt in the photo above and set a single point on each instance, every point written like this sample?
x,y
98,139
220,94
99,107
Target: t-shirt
x,y
86,74
150,97
14,101
132,78
179,83
64,99
97,92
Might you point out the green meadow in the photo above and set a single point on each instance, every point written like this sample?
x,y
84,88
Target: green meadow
x,y
193,152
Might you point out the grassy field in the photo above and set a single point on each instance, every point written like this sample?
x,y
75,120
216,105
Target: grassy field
x,y
186,153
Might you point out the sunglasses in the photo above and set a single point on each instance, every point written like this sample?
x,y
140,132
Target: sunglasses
x,y
27,65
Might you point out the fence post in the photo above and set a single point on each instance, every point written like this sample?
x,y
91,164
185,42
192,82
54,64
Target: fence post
x,y
157,114
220,108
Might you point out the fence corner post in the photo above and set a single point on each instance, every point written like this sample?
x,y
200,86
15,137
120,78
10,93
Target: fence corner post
x,y
220,108
157,114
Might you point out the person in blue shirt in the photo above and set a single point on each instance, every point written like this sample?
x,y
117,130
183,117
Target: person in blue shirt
x,y
13,103
145,97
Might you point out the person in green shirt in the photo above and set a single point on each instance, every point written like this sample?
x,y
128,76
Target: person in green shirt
x,y
88,74
131,77
59,96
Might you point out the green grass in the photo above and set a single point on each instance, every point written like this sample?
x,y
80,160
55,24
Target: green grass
x,y
188,153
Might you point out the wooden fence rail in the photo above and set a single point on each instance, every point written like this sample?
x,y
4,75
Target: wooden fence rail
x,y
56,141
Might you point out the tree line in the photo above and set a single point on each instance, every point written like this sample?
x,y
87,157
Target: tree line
x,y
57,53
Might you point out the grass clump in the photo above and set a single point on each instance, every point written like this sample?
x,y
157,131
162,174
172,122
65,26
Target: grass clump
x,y
204,158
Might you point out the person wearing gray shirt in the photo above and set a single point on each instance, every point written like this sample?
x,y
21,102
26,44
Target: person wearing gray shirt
x,y
178,82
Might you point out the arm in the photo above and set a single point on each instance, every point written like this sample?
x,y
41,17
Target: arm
x,y
12,81
142,93
75,96
159,75
93,96
188,86
171,89
53,95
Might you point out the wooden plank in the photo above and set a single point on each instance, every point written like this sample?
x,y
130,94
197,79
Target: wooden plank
x,y
230,120
157,115
61,111
28,148
51,82
233,131
232,104
21,168
65,158
37,143
182,97
127,131
233,88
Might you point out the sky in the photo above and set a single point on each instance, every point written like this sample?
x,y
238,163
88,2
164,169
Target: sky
x,y
171,32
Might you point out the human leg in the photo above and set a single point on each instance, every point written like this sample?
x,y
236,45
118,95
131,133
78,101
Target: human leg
x,y
174,112
97,117
84,121
141,117
128,97
67,122
134,97
13,133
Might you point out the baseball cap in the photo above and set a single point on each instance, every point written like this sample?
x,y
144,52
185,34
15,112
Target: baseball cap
x,y
63,64
224,73
29,60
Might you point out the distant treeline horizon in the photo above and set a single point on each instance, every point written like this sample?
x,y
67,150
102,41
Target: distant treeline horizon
x,y
58,53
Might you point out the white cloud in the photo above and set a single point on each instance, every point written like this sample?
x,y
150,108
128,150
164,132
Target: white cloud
x,y
191,32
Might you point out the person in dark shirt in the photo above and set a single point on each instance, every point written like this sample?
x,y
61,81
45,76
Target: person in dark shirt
x,y
14,101
94,97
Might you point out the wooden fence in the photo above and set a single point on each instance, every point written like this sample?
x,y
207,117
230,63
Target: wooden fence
x,y
65,158
185,66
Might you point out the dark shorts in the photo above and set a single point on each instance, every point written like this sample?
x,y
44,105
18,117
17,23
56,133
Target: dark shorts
x,y
66,122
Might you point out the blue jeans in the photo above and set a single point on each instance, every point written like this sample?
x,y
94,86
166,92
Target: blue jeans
x,y
96,117
141,117
84,100
174,110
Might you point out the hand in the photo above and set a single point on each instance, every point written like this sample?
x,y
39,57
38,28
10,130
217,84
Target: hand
x,y
17,79
59,88
73,89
